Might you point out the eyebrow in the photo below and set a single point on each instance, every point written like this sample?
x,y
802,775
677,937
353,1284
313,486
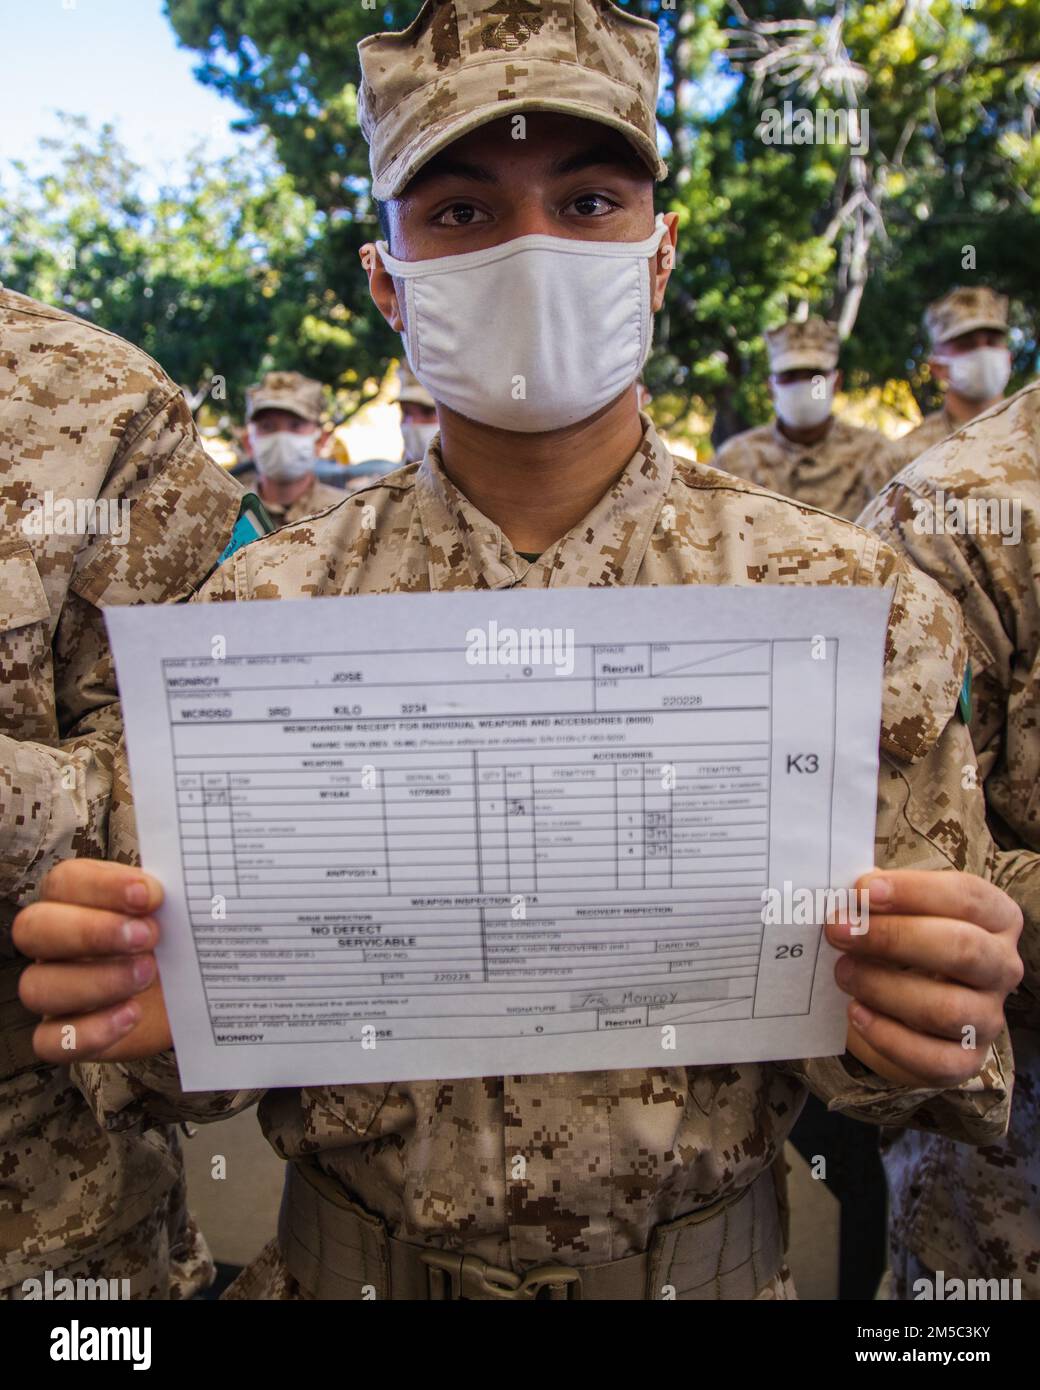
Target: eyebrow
x,y
453,168
595,156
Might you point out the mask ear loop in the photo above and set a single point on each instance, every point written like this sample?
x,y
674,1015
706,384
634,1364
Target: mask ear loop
x,y
391,265
412,346
649,317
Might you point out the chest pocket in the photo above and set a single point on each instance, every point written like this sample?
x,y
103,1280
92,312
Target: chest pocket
x,y
26,678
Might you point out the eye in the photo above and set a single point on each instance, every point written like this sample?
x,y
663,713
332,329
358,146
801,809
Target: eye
x,y
591,205
460,215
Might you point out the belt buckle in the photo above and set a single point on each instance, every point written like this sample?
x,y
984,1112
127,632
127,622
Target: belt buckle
x,y
453,1276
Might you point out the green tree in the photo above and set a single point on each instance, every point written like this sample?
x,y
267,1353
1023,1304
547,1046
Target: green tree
x,y
767,229
947,189
220,277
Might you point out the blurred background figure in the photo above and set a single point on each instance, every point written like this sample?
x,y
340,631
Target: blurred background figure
x,y
806,452
969,355
418,415
285,433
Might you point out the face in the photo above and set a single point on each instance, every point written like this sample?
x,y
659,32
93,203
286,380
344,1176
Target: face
x,y
272,421
412,413
964,342
567,178
968,342
802,374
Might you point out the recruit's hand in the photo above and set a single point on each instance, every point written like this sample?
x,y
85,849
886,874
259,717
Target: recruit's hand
x,y
930,975
92,937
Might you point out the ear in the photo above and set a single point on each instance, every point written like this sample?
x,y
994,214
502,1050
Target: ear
x,y
940,370
661,268
839,380
381,286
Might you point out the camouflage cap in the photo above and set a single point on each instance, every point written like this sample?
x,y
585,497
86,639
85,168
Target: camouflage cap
x,y
287,391
462,63
410,389
809,343
964,310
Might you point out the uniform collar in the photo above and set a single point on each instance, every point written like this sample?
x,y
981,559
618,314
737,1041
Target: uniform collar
x,y
251,483
468,551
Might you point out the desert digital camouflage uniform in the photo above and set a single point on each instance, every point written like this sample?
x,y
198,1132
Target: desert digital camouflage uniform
x,y
843,469
975,1213
961,310
640,1179
304,397
610,1156
840,473
83,417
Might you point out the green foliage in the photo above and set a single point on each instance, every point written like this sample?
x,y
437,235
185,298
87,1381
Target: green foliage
x,y
766,230
262,266
229,274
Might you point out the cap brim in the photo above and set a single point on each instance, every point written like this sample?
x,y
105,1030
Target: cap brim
x,y
971,326
278,403
392,181
799,361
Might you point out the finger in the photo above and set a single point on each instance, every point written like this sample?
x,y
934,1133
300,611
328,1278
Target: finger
x,y
137,1028
101,883
931,1062
927,1006
934,946
61,931
941,893
84,986
85,1037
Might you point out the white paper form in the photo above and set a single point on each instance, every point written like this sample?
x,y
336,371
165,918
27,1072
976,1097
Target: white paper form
x,y
451,835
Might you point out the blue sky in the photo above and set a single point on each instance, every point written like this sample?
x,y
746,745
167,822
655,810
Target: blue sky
x,y
115,60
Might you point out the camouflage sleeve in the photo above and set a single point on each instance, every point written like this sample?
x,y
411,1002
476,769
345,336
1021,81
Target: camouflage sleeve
x,y
54,799
53,803
1018,873
145,1093
989,580
140,1095
927,818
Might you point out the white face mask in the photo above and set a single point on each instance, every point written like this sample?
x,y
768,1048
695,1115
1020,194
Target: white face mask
x,y
980,375
535,334
283,457
416,438
803,404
